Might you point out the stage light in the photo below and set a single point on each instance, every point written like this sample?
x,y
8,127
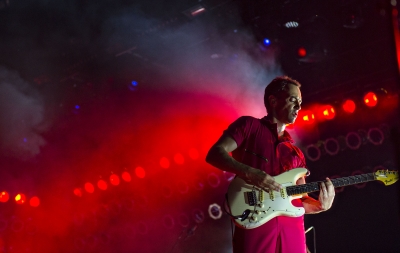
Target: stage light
x,y
140,172
326,112
126,176
102,184
266,42
78,192
133,85
164,163
301,52
375,136
291,24
4,196
178,158
89,187
349,106
370,99
313,152
34,201
20,198
215,212
331,146
193,154
114,179
353,140
307,116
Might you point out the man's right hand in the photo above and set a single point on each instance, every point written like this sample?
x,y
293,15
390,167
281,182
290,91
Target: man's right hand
x,y
262,179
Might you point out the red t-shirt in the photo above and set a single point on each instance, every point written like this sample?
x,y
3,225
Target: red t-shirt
x,y
258,146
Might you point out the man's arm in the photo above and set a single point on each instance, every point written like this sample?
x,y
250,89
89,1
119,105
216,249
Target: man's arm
x,y
219,157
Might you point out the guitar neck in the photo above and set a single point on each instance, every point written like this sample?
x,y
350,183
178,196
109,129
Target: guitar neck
x,y
337,182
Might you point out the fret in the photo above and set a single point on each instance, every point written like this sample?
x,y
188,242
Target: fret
x,y
337,182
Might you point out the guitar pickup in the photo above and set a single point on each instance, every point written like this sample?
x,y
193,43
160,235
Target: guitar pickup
x,y
251,198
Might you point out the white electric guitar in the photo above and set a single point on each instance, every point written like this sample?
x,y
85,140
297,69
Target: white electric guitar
x,y
251,207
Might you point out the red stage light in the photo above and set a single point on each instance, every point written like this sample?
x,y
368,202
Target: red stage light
x,y
140,172
326,112
301,52
20,198
126,176
164,163
34,201
114,179
178,158
370,99
349,106
78,192
307,116
89,187
4,196
102,184
193,153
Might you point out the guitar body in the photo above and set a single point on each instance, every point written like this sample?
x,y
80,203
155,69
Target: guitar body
x,y
262,206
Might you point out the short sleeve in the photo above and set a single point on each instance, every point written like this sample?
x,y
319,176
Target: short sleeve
x,y
239,129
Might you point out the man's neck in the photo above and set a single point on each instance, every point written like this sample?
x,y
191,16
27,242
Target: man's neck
x,y
280,127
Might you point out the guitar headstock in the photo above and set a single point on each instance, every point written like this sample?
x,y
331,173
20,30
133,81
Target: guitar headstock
x,y
387,177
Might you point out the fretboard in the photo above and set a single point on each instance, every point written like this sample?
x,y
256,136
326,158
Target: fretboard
x,y
337,182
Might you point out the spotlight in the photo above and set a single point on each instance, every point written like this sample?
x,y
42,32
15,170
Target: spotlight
x,y
178,158
326,112
102,184
370,99
126,176
331,146
164,163
114,179
313,152
291,24
353,140
301,52
375,136
349,106
140,172
78,192
20,198
34,201
266,42
215,212
307,116
89,187
4,196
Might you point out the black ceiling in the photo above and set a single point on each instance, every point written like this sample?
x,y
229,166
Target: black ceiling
x,y
350,42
